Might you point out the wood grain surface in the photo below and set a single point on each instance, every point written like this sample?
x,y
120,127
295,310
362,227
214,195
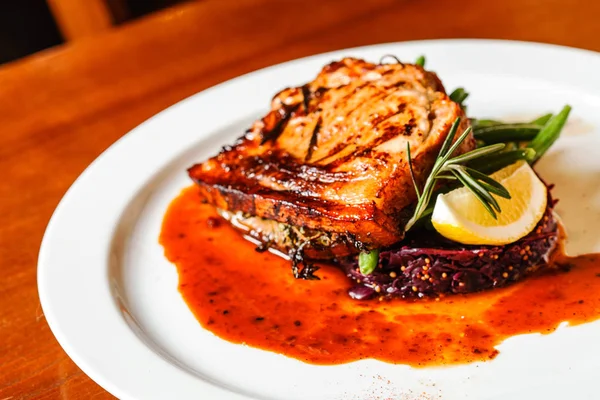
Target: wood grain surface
x,y
61,108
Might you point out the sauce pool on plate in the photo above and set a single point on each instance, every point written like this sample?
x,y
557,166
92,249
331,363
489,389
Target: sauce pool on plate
x,y
244,296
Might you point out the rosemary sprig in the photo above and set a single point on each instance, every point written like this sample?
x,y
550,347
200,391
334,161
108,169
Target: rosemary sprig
x,y
453,168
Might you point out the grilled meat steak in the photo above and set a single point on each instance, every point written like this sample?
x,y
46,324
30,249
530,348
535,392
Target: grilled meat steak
x,y
329,160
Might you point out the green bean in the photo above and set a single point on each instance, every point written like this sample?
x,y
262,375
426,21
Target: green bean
x,y
420,61
459,95
367,262
542,120
506,133
480,123
479,143
484,123
548,135
510,146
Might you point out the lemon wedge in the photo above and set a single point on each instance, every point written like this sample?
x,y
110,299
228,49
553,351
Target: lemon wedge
x,y
460,217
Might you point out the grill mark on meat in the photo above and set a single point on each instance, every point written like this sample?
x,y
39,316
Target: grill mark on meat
x,y
382,95
333,66
306,97
389,132
282,167
341,146
387,135
352,93
320,91
313,140
276,121
379,119
338,148
281,91
397,84
408,128
387,72
318,94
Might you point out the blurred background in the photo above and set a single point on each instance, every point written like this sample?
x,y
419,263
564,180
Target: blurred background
x,y
76,75
28,26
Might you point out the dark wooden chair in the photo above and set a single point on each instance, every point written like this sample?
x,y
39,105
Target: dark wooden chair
x,y
77,19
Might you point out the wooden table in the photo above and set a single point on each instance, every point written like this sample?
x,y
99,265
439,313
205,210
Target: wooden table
x,y
61,108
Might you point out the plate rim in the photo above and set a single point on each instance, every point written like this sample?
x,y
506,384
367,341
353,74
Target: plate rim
x,y
47,254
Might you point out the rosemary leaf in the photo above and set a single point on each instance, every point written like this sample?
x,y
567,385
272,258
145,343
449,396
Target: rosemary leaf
x,y
490,184
412,173
477,153
442,176
449,138
481,199
457,144
475,187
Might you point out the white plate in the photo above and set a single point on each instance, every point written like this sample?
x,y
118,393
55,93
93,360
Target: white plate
x,y
111,297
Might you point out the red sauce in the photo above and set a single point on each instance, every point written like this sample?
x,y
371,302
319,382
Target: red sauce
x,y
248,297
